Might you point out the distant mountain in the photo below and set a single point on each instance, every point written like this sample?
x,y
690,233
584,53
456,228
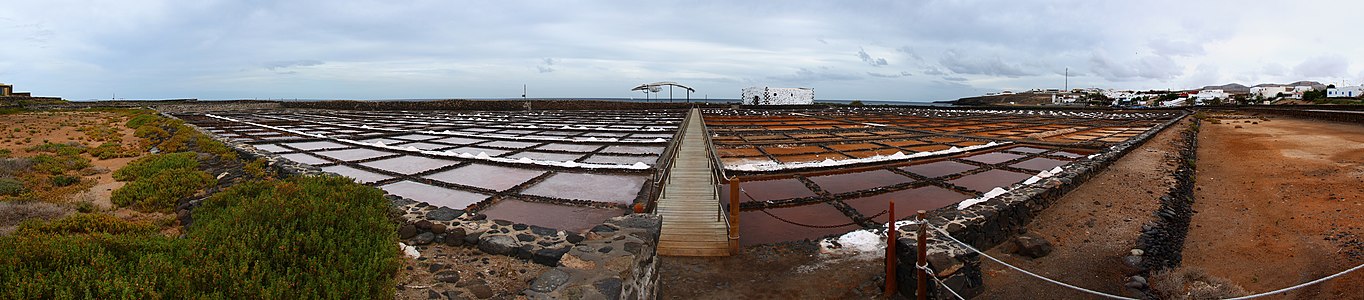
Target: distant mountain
x,y
1314,84
1230,88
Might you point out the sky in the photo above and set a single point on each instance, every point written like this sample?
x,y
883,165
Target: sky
x,y
912,50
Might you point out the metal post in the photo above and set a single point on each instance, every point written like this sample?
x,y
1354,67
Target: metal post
x,y
923,256
891,231
734,216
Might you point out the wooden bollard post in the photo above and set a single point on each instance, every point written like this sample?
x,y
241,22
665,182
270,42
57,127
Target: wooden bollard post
x,y
923,256
734,216
891,232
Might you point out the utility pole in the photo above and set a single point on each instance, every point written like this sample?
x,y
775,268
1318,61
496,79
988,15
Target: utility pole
x,y
1067,79
523,92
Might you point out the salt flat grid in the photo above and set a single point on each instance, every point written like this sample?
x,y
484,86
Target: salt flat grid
x,y
590,164
1021,145
783,137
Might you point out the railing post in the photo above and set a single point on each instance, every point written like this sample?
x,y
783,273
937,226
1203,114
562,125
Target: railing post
x,y
891,232
923,256
734,216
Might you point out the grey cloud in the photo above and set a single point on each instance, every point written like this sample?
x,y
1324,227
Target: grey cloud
x,y
822,41
285,64
1274,69
933,71
1147,67
883,75
866,58
547,66
1323,66
961,64
1170,47
950,78
910,51
804,75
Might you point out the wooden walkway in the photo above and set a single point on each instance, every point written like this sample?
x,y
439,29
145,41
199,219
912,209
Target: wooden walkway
x,y
689,205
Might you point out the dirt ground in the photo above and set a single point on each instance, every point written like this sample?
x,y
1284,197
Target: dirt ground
x,y
25,130
775,271
1279,203
1091,228
480,274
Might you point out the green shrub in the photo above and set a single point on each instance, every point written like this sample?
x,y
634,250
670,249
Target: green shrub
x,y
151,164
109,150
314,237
83,223
163,190
59,164
11,187
6,153
64,180
323,237
71,148
141,119
151,133
93,266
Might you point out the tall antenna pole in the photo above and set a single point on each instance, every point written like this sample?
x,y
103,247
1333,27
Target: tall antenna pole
x,y
523,92
1067,79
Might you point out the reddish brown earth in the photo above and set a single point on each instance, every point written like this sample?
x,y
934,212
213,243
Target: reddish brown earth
x,y
774,271
1091,228
1269,197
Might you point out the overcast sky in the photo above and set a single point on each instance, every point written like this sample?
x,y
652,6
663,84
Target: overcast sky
x,y
887,50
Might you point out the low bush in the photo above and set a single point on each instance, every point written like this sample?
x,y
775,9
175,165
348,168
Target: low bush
x,y
11,187
314,237
60,163
10,167
151,164
14,212
323,237
83,223
1193,283
64,180
163,190
109,150
66,149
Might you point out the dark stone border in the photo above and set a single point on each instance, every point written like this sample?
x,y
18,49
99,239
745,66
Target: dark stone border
x,y
1161,243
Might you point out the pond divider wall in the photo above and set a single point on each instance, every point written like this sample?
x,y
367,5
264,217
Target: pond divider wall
x,y
987,224
1161,243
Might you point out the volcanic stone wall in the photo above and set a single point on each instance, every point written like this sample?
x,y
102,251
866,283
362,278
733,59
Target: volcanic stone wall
x,y
1161,243
987,224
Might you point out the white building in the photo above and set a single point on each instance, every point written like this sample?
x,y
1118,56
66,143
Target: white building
x,y
1273,92
1345,92
761,95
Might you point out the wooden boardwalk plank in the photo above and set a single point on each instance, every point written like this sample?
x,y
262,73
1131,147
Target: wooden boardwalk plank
x,y
690,204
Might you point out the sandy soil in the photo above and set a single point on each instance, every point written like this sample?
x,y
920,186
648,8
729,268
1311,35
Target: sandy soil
x,y
25,130
1279,203
503,277
777,271
1091,228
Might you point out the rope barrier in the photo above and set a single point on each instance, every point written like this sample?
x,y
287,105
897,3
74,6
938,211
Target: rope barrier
x,y
1287,289
973,249
932,274
750,197
1097,293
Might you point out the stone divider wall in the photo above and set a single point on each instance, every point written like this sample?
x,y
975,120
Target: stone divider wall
x,y
1161,243
614,260
987,224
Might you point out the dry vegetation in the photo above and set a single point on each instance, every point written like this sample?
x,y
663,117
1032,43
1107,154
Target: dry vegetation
x,y
254,236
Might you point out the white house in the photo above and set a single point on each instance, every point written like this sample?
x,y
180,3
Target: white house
x,y
1345,92
761,95
1273,92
